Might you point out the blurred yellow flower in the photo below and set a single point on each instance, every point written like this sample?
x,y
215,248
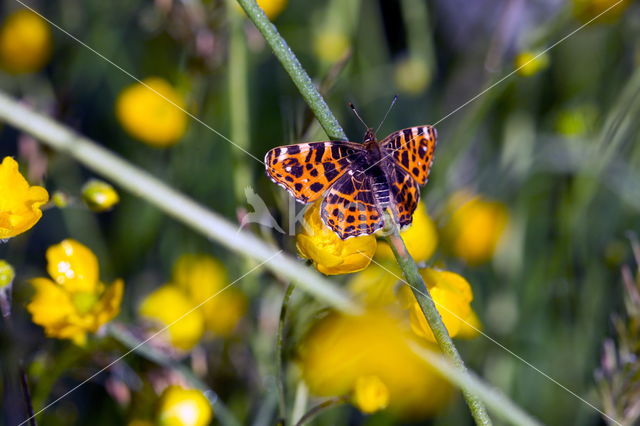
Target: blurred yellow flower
x,y
99,196
272,8
370,394
169,306
376,285
202,276
412,75
452,296
330,45
341,353
330,254
474,226
576,121
184,407
198,285
19,202
586,10
74,302
25,42
152,112
7,274
529,63
421,238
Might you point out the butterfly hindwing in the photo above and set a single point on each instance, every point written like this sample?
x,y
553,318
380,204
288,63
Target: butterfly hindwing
x,y
405,194
413,149
349,207
307,170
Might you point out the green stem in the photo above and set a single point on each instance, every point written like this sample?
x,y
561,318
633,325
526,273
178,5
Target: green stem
x,y
238,96
279,352
422,295
309,415
468,381
170,201
120,333
291,64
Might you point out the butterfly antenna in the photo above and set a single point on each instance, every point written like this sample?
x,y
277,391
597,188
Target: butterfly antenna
x,y
393,102
353,108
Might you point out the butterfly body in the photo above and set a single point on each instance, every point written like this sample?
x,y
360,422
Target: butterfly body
x,y
358,181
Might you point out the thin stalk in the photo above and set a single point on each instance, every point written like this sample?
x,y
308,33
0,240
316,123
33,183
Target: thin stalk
x,y
26,394
119,333
314,411
282,406
174,203
291,64
495,400
428,307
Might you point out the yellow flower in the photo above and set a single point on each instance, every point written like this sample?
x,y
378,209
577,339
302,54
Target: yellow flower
x,y
586,10
272,8
421,238
375,286
19,202
200,277
153,112
184,407
330,45
99,196
168,305
75,302
25,42
529,63
370,394
452,296
7,274
475,226
577,121
341,353
412,75
330,254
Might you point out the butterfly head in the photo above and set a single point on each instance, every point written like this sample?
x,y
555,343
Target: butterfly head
x,y
369,136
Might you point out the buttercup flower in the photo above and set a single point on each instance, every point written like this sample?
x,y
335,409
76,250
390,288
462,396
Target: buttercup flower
x,y
154,114
99,196
202,276
529,63
25,42
19,202
184,407
475,226
452,296
168,305
586,10
376,285
421,238
7,274
370,394
198,285
577,121
272,8
330,45
412,75
73,302
368,356
330,254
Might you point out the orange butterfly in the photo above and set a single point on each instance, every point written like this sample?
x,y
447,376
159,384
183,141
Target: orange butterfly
x,y
358,181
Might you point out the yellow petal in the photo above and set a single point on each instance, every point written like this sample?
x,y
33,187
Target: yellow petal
x,y
73,266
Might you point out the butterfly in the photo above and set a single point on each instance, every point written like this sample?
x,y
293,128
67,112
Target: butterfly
x,y
358,181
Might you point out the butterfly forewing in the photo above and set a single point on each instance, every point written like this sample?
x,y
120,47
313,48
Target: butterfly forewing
x,y
307,170
349,207
412,149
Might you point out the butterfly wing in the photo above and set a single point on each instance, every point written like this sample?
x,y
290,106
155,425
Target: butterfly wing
x,y
349,207
307,170
413,149
405,194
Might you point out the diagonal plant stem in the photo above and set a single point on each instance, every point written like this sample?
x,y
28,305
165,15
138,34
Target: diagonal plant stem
x,y
328,122
175,204
428,307
291,64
